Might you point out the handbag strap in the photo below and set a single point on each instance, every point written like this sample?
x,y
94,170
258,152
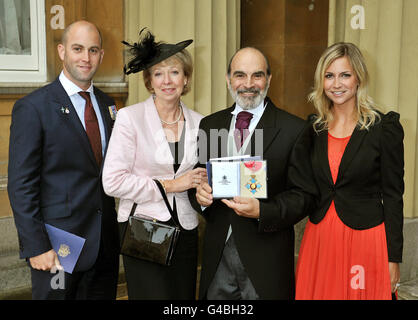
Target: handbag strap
x,y
160,187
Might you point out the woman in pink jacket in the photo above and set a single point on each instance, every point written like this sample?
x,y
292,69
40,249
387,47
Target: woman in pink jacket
x,y
156,140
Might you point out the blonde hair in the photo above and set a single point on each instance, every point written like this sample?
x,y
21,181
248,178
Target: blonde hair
x,y
367,111
185,60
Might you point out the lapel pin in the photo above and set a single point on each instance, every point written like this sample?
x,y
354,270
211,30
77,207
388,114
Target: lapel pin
x,y
113,112
65,110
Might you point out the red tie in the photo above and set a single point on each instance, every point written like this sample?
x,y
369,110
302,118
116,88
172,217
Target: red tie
x,y
92,127
241,128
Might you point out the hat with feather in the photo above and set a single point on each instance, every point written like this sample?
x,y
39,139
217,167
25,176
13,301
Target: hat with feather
x,y
147,52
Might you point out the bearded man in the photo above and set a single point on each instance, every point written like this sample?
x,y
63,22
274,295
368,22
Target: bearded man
x,y
249,243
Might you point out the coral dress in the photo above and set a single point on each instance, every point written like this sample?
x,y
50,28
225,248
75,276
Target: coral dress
x,y
337,262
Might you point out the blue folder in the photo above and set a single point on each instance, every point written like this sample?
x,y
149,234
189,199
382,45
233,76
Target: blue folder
x,y
67,245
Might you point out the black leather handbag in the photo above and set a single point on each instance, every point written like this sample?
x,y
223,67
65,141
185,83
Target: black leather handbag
x,y
150,240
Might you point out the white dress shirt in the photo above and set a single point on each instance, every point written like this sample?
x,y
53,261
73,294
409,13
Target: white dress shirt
x,y
257,114
79,104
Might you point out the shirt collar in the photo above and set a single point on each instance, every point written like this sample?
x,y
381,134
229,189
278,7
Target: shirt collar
x,y
70,87
257,112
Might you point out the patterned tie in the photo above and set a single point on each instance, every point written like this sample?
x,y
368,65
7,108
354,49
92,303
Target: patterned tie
x,y
241,128
92,127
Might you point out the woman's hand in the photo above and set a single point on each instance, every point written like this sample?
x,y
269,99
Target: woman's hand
x,y
395,275
191,179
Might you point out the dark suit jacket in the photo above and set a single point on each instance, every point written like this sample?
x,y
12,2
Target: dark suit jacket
x,y
266,247
54,178
369,186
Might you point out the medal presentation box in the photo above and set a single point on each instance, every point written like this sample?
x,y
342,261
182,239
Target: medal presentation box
x,y
243,176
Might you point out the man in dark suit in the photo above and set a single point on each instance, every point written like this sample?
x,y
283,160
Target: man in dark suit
x,y
58,139
249,243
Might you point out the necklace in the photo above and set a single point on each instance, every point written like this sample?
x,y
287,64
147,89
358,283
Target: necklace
x,y
177,120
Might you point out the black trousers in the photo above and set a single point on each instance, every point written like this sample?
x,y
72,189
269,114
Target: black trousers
x,y
151,281
97,283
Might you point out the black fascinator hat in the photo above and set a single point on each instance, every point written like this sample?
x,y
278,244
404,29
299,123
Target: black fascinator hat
x,y
147,52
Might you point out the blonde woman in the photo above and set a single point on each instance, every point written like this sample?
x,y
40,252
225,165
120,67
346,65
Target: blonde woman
x,y
156,140
352,245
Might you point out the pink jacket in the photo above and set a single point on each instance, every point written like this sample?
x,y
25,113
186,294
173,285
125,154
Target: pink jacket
x,y
138,152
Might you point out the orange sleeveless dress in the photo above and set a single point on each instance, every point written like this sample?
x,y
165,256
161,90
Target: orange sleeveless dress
x,y
339,263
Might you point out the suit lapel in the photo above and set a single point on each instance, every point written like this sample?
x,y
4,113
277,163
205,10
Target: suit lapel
x,y
321,150
269,129
67,113
190,141
157,133
351,150
222,122
107,121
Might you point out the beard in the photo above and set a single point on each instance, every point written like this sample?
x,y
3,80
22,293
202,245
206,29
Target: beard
x,y
248,103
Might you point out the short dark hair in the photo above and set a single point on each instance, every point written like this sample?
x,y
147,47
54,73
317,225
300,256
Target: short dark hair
x,y
265,58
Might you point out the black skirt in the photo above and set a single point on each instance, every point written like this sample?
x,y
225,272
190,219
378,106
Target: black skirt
x,y
151,281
